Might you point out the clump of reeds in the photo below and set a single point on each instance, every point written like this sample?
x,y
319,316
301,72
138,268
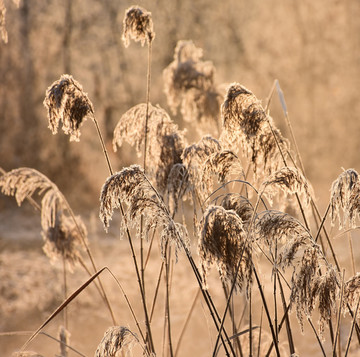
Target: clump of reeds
x,y
223,242
130,186
117,341
137,26
189,83
165,141
67,103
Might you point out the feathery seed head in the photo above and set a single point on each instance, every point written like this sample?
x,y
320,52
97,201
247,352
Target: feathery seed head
x,y
275,227
117,341
64,239
223,242
242,111
165,140
67,103
290,181
240,204
352,293
137,26
189,82
130,186
311,283
345,194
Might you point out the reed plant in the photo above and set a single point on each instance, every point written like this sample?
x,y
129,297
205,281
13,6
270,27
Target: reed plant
x,y
240,202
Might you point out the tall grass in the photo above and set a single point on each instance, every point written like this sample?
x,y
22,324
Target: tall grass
x,y
245,207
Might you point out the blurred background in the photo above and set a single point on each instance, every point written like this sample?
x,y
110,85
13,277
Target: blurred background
x,y
312,48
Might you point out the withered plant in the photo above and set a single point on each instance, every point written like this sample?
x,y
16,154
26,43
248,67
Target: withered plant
x,y
272,261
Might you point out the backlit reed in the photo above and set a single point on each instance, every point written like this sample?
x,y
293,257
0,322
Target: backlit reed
x,y
189,83
137,26
66,102
130,186
223,242
165,142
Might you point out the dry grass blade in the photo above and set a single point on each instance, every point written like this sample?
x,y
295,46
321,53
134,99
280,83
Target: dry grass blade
x,y
63,305
26,354
223,242
117,340
67,103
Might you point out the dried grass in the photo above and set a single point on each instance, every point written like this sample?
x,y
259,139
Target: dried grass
x,y
344,199
165,141
130,186
69,105
223,242
60,232
117,341
189,83
137,26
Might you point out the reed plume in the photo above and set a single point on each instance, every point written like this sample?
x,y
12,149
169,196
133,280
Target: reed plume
x,y
117,341
240,204
130,186
275,227
64,336
189,83
314,281
64,240
352,293
290,181
194,156
344,198
165,140
178,186
137,26
223,242
246,124
222,164
67,103
60,232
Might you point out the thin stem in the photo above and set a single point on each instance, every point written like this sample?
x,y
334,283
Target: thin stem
x,y
186,322
352,328
339,314
267,313
65,294
317,336
167,302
